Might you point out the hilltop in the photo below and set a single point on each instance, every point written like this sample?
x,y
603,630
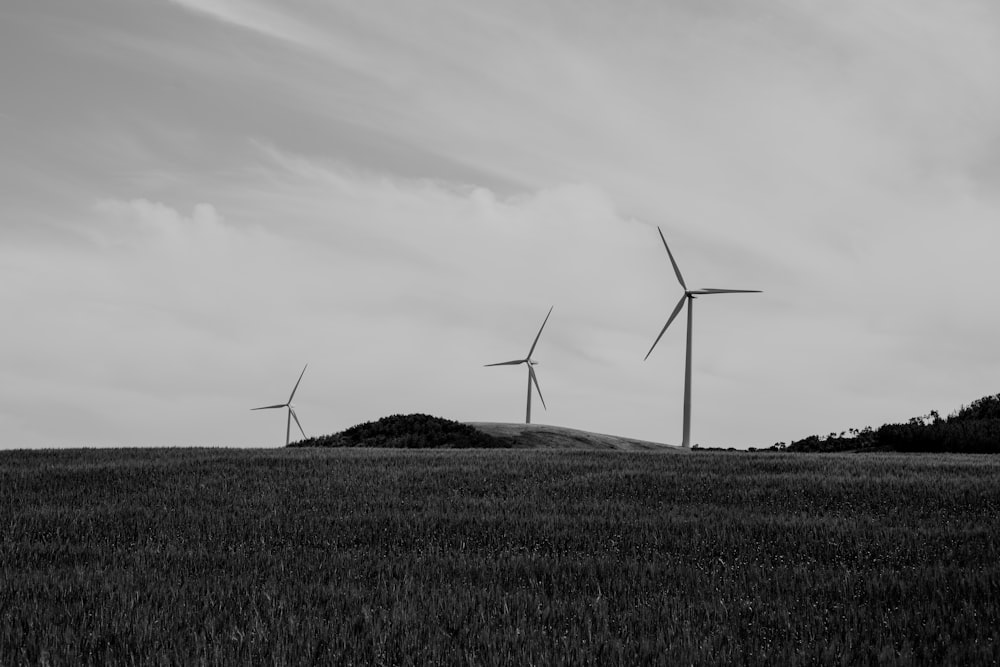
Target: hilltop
x,y
420,431
413,431
542,436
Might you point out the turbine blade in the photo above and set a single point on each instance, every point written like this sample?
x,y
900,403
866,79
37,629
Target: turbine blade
x,y
295,388
673,316
269,407
539,335
677,271
534,378
296,418
507,363
712,290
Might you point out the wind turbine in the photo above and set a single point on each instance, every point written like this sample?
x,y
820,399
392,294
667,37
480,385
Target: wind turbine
x,y
291,410
689,297
532,378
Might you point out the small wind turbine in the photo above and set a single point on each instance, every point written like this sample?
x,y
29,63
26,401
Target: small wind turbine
x,y
531,371
291,410
689,297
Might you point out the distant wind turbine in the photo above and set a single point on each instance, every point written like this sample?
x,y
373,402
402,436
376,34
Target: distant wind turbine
x,y
531,371
689,297
291,410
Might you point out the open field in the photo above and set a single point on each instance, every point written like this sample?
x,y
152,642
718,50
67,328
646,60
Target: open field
x,y
490,557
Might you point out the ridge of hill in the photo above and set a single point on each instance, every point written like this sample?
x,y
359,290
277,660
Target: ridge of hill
x,y
413,431
421,431
544,436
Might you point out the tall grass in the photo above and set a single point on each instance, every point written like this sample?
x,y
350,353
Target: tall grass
x,y
497,557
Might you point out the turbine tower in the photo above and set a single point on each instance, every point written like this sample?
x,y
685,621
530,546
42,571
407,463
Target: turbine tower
x,y
532,378
689,297
291,410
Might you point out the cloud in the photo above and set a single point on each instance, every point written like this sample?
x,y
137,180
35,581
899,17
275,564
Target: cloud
x,y
163,227
398,290
398,194
405,296
257,17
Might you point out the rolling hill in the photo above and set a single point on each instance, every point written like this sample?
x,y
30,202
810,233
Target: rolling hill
x,y
412,431
541,436
420,431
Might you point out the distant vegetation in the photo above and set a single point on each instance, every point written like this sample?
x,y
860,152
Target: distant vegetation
x,y
416,431
972,428
489,557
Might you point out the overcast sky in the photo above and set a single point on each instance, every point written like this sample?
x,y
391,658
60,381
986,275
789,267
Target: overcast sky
x,y
197,197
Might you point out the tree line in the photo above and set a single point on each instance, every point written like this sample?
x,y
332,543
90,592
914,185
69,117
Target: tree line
x,y
973,428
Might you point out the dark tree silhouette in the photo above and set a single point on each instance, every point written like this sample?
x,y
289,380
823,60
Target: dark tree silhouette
x,y
973,428
415,431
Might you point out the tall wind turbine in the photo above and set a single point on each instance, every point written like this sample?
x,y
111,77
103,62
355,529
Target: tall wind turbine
x,y
689,297
532,378
291,410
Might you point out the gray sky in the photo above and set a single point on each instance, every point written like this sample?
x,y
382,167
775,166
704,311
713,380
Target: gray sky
x,y
197,197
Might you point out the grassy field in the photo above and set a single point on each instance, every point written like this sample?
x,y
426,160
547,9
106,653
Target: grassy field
x,y
497,557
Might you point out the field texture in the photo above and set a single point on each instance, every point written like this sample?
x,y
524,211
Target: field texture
x,y
497,557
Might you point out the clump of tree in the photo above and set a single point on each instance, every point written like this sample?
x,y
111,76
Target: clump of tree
x,y
414,431
973,428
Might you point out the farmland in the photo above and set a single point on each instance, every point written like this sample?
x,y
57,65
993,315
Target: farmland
x,y
497,557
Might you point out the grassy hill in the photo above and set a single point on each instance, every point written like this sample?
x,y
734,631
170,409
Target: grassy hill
x,y
414,431
541,436
420,431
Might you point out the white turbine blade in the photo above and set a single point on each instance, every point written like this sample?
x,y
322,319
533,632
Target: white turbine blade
x,y
712,290
673,316
269,407
539,335
677,271
296,418
295,388
507,363
534,378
